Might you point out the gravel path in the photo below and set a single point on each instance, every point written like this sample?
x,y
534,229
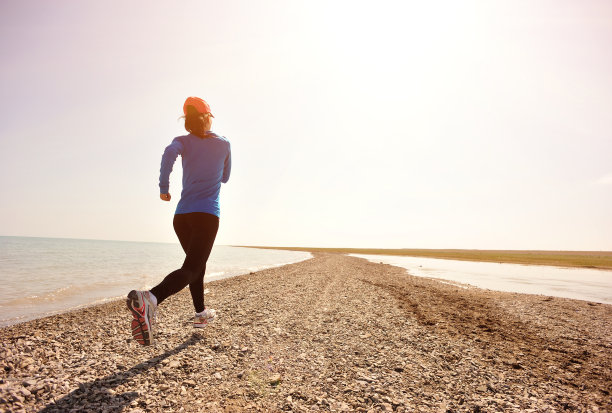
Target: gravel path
x,y
333,333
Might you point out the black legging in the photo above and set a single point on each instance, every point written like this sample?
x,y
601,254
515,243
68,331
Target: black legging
x,y
196,231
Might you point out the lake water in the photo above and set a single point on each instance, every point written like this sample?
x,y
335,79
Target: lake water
x,y
577,283
41,276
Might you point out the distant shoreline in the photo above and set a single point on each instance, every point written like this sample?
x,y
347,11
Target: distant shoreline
x,y
582,259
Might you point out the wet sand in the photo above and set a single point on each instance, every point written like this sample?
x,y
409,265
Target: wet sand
x,y
333,333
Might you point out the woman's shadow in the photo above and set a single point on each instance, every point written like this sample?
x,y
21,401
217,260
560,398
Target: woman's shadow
x,y
95,395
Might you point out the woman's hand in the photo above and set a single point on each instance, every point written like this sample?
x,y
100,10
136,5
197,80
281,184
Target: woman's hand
x,y
165,197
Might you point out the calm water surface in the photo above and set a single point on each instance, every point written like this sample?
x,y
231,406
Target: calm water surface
x,y
577,283
41,276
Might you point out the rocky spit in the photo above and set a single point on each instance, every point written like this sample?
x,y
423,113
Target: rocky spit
x,y
333,333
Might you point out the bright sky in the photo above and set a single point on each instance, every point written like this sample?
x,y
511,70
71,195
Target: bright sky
x,y
423,124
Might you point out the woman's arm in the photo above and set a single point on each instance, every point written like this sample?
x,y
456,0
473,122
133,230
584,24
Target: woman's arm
x,y
227,165
168,158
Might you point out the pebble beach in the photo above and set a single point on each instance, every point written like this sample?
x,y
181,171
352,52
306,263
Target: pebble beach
x,y
332,333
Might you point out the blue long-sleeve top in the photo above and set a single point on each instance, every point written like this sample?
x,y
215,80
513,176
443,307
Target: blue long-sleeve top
x,y
206,164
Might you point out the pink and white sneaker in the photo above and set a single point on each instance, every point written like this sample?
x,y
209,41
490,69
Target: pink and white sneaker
x,y
202,319
143,309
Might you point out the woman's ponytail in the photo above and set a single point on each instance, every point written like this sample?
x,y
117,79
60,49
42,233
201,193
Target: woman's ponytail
x,y
195,122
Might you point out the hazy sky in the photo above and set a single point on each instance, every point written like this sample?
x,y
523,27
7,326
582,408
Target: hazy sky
x,y
369,124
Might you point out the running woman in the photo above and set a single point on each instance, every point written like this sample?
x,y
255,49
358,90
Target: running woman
x,y
206,164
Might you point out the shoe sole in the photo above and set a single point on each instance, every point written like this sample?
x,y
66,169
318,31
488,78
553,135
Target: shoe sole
x,y
203,325
140,330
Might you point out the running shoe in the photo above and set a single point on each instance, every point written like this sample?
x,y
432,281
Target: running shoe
x,y
202,319
143,310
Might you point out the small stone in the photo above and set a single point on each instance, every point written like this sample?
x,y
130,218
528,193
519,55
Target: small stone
x,y
217,376
275,379
240,374
190,383
365,378
174,364
387,407
183,391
